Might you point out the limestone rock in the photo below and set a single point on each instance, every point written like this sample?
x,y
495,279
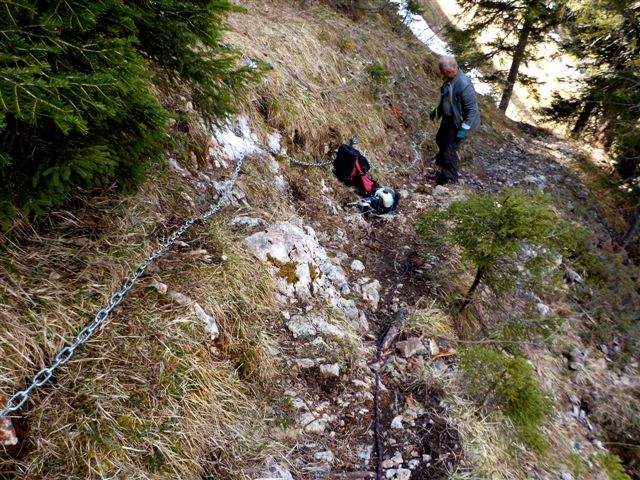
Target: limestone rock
x,y
538,181
274,470
357,266
313,423
326,457
543,309
371,293
332,370
246,222
434,349
397,459
396,423
363,453
410,347
311,326
440,190
577,359
403,474
573,277
305,363
7,433
210,324
302,264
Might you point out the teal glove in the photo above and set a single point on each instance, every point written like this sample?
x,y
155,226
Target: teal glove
x,y
462,133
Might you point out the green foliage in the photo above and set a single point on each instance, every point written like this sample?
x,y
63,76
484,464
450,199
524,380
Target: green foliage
x,y
495,378
489,229
183,38
377,71
530,326
515,28
415,7
610,296
76,108
577,246
604,36
577,466
611,464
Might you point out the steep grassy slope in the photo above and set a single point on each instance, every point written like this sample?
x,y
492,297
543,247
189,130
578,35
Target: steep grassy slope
x,y
150,396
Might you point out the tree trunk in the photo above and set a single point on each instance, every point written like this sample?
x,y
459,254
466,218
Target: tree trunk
x,y
518,55
583,118
631,232
474,286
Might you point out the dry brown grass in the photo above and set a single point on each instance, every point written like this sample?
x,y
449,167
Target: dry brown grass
x,y
319,93
148,396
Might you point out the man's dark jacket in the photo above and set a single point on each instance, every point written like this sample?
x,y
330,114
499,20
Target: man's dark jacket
x,y
462,96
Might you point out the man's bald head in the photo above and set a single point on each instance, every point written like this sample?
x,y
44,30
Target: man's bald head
x,y
448,67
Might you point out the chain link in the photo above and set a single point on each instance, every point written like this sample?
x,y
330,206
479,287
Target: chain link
x,y
295,161
66,353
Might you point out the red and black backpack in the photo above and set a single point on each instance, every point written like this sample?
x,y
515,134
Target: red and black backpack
x,y
351,167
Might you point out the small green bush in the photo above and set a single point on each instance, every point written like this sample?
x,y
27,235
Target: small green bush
x,y
508,382
415,7
611,464
377,71
490,228
577,246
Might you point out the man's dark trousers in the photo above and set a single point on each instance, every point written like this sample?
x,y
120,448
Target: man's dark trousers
x,y
447,158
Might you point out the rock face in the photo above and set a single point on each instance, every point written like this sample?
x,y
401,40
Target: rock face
x,y
410,347
311,326
303,267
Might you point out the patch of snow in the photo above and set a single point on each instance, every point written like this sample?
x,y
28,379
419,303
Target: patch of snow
x,y
274,143
423,32
235,141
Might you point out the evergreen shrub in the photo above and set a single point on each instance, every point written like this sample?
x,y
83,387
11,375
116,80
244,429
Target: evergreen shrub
x,y
76,104
509,383
611,464
489,228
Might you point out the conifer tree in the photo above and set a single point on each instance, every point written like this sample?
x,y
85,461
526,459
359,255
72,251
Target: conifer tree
x,y
487,229
519,26
604,36
76,108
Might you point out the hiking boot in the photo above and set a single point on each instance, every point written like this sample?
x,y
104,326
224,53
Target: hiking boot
x,y
442,180
432,174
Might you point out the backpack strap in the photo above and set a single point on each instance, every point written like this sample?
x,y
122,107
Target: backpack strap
x,y
356,169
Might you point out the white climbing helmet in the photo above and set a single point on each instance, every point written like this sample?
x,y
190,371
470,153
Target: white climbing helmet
x,y
386,195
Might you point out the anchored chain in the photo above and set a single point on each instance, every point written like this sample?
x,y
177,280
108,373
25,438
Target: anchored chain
x,y
300,162
66,353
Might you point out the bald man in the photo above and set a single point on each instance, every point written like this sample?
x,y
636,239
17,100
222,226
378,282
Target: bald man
x,y
457,106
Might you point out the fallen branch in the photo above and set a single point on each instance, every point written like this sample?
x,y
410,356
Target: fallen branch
x,y
486,341
442,355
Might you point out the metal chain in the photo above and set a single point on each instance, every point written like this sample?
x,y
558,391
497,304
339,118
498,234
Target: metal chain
x,y
416,156
66,353
300,162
